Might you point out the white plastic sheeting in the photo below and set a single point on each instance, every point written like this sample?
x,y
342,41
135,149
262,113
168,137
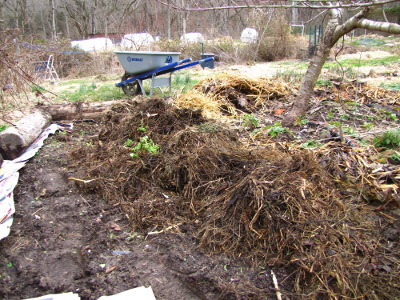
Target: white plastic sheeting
x,y
95,44
9,178
249,35
193,37
139,293
136,40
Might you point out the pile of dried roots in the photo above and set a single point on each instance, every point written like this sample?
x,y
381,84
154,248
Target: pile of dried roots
x,y
278,206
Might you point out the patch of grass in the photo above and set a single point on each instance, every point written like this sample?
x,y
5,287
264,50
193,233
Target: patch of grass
x,y
322,82
35,88
356,62
369,42
391,86
289,75
297,64
3,127
342,70
74,81
93,93
182,81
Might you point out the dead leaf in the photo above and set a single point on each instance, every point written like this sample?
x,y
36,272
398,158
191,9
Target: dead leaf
x,y
279,111
115,227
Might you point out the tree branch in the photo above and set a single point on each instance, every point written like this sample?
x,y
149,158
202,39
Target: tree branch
x,y
313,4
379,26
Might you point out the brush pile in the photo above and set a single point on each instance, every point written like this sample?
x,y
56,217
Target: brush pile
x,y
331,216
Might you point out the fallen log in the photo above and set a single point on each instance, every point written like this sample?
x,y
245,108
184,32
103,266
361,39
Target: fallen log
x,y
79,110
15,139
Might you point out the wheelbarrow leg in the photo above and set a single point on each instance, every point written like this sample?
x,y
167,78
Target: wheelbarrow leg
x,y
140,82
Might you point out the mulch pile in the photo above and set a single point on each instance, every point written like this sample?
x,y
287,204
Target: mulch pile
x,y
330,215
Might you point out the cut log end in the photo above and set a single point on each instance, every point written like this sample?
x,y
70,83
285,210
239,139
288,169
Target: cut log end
x,y
14,140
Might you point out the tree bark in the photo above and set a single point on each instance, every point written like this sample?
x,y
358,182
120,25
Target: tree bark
x,y
14,140
53,20
78,110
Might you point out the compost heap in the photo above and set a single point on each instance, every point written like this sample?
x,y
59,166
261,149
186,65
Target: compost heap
x,y
326,215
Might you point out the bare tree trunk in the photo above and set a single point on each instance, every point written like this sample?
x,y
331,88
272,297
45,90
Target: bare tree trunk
x,y
184,18
67,26
169,22
53,20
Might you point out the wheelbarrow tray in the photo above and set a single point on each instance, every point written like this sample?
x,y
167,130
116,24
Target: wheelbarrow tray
x,y
137,62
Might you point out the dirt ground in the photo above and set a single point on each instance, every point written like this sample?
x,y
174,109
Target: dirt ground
x,y
65,239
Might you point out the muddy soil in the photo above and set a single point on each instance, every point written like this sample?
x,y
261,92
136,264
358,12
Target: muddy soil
x,y
65,241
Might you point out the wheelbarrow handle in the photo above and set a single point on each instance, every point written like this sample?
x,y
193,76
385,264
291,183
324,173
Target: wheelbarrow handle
x,y
187,65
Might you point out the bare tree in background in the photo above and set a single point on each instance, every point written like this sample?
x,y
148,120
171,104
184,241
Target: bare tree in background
x,y
337,26
53,20
335,29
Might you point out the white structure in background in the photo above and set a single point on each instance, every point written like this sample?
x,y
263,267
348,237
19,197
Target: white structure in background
x,y
96,44
193,37
136,40
249,35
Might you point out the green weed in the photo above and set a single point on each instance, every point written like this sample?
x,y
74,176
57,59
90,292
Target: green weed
x,y
142,127
129,143
310,144
275,129
145,144
389,139
251,121
367,125
395,156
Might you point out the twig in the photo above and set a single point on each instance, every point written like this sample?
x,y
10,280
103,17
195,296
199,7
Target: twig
x,y
278,291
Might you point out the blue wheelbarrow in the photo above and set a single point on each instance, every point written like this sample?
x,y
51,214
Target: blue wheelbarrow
x,y
142,65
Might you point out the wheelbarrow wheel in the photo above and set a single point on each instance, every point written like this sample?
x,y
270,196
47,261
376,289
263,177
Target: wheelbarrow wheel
x,y
131,88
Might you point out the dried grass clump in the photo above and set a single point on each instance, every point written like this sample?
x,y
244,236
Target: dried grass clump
x,y
258,90
279,206
228,93
210,106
